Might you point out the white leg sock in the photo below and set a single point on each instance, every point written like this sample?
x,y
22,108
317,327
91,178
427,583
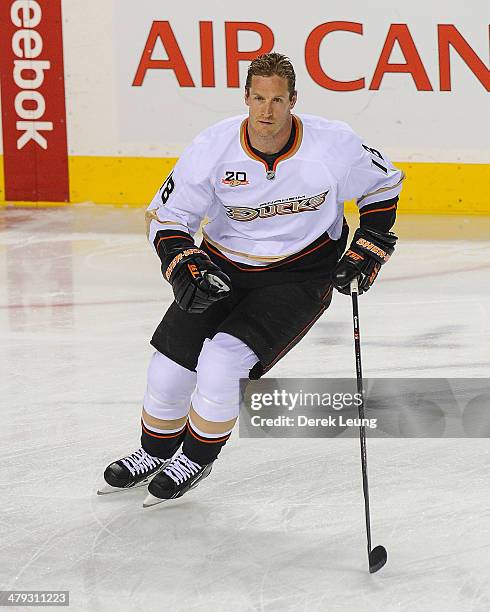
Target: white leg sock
x,y
169,389
222,362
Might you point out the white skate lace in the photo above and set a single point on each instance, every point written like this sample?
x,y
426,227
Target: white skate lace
x,y
140,462
181,469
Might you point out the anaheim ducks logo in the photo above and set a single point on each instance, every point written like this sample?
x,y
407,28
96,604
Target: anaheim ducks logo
x,y
279,207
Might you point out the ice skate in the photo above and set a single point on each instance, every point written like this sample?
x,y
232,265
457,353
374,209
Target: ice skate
x,y
134,470
175,479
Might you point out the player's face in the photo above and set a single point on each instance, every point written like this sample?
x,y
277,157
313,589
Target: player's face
x,y
269,106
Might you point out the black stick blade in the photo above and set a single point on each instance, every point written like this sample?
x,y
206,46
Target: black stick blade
x,y
377,558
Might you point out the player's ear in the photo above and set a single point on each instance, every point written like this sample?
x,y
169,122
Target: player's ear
x,y
247,96
293,100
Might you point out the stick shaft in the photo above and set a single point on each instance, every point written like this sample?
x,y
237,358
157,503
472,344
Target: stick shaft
x,y
360,390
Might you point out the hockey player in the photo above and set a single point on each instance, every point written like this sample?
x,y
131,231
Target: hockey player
x,y
272,185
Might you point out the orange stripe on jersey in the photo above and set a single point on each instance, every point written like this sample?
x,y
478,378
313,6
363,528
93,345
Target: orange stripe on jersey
x,y
294,147
366,212
271,266
296,143
174,236
245,145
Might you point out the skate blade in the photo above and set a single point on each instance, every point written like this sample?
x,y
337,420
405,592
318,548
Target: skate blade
x,y
107,488
151,500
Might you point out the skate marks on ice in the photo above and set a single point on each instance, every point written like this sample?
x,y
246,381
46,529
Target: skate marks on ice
x,y
422,336
222,557
278,526
264,536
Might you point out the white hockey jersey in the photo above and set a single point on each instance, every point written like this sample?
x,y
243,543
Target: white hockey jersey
x,y
257,216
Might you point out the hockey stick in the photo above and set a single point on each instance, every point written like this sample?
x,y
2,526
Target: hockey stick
x,y
377,556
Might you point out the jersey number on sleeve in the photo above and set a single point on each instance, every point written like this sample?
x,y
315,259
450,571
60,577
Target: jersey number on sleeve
x,y
167,188
375,153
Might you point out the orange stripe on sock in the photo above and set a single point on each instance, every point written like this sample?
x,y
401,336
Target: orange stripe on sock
x,y
206,440
155,435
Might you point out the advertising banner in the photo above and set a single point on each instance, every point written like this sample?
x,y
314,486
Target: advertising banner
x,y
33,101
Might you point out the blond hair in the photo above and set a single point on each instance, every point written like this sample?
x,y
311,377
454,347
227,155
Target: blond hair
x,y
271,64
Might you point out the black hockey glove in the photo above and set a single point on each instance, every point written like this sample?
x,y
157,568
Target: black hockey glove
x,y
196,281
368,251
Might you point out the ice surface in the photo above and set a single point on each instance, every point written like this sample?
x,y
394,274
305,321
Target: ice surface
x,y
279,525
